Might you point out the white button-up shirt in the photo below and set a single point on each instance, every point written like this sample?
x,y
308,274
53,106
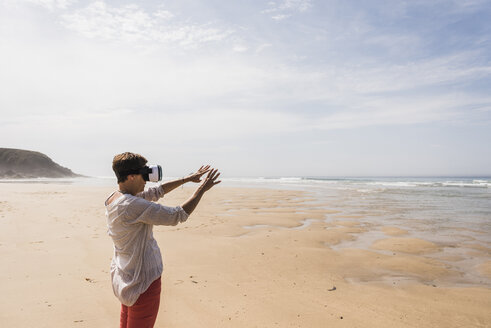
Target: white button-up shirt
x,y
137,261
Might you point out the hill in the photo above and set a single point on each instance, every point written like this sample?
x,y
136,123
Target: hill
x,y
25,164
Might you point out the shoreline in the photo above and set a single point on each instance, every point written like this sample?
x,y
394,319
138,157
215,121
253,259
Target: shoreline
x,y
280,272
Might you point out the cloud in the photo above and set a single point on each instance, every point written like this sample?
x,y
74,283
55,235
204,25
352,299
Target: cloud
x,y
280,17
380,78
211,123
394,111
296,5
165,14
240,48
346,96
131,23
286,8
136,68
52,4
262,47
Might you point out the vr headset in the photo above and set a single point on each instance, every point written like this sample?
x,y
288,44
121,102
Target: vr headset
x,y
152,173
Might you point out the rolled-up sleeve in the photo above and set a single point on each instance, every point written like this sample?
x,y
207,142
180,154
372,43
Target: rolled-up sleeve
x,y
144,211
152,194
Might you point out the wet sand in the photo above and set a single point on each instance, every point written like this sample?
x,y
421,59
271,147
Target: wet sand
x,y
245,258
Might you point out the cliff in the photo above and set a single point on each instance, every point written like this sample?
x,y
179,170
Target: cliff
x,y
25,164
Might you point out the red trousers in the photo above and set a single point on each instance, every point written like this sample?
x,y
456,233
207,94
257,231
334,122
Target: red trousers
x,y
143,313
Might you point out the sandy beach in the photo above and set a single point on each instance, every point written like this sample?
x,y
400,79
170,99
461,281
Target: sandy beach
x,y
246,258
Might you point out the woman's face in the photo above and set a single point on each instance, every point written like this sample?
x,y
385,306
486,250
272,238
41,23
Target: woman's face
x,y
140,183
136,183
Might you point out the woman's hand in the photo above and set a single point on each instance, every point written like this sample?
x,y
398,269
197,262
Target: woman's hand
x,y
207,184
196,177
210,180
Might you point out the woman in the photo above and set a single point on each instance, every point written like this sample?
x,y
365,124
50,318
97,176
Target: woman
x,y
131,213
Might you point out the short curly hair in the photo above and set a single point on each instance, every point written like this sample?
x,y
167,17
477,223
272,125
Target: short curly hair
x,y
126,162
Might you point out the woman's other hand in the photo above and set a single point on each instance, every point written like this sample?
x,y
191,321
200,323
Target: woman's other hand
x,y
207,184
196,177
210,180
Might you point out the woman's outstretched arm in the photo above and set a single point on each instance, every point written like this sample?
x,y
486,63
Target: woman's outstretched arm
x,y
207,184
194,177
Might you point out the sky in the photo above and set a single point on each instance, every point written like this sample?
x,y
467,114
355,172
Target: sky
x,y
254,88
